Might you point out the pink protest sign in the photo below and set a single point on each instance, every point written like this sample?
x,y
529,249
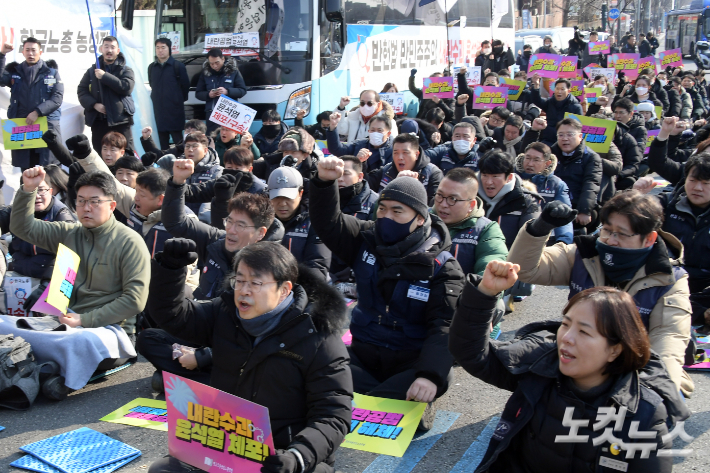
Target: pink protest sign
x,y
546,65
213,430
568,67
43,307
670,57
442,87
649,62
652,134
488,98
627,63
577,88
599,47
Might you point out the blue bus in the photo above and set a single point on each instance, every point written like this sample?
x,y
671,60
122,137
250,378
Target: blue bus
x,y
312,52
686,27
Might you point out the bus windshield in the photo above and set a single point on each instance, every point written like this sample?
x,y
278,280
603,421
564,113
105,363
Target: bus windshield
x,y
283,26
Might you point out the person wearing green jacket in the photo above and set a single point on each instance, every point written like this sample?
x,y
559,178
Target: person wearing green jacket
x,y
475,240
224,138
111,285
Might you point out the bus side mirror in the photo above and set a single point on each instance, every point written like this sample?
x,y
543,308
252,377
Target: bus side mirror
x,y
127,7
334,10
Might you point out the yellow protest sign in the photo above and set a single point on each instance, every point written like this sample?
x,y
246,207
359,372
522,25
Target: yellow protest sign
x,y
141,412
384,426
598,132
515,87
17,134
61,285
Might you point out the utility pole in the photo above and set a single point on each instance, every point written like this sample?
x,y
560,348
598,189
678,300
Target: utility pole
x,y
544,13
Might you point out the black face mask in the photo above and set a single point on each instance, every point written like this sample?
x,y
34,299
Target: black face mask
x,y
527,53
270,131
497,49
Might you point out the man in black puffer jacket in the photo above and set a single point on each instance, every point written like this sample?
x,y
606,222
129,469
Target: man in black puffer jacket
x,y
276,343
561,102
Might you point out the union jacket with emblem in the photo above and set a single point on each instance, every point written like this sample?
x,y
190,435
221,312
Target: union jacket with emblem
x,y
528,365
44,95
660,288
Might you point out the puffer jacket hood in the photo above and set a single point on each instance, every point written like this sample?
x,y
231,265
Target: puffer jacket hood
x,y
210,159
520,169
228,67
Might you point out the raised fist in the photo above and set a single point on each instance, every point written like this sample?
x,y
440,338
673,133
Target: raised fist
x,y
344,101
334,120
330,168
178,253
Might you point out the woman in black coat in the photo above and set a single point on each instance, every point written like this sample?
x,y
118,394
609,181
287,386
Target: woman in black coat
x,y
562,375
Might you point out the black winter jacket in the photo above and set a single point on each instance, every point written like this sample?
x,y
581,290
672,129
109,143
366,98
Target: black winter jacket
x,y
300,371
528,366
44,95
630,138
675,104
662,96
228,77
350,239
555,111
429,175
169,84
113,91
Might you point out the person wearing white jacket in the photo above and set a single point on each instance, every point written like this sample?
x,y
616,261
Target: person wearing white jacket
x,y
355,126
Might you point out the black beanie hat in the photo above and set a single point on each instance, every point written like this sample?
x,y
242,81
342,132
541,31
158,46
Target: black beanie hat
x,y
408,191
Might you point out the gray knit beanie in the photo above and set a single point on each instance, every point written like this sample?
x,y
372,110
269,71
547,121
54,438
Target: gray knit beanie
x,y
408,191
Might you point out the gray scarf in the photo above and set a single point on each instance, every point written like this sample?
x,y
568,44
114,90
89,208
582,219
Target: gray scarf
x,y
510,146
264,324
493,201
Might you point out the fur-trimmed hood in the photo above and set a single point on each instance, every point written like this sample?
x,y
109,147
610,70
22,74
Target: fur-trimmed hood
x,y
229,66
12,68
387,111
546,172
326,305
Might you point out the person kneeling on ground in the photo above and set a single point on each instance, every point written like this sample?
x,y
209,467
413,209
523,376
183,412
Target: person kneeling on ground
x,y
407,287
599,355
275,343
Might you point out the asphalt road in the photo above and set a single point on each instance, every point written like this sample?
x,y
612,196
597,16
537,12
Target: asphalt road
x,y
463,413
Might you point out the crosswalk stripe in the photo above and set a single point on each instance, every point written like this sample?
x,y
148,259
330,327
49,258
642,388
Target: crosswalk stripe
x,y
474,454
417,449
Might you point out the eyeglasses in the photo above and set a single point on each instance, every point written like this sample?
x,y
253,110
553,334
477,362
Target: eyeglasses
x,y
93,203
369,104
606,234
240,226
43,191
192,147
534,160
566,135
450,201
254,287
494,119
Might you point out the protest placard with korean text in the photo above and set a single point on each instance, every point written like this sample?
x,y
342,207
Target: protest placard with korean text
x,y
233,115
599,47
546,65
383,426
395,100
213,430
17,134
652,134
598,132
577,88
442,87
607,72
515,87
487,97
56,297
592,93
670,57
626,63
648,62
568,67
174,37
141,412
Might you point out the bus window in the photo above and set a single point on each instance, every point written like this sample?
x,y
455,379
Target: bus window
x,y
331,44
365,12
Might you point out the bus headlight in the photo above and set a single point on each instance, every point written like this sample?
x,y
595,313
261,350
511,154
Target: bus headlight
x,y
299,100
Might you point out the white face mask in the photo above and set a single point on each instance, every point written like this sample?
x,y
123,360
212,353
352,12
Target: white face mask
x,y
662,82
376,139
367,110
462,146
641,90
487,51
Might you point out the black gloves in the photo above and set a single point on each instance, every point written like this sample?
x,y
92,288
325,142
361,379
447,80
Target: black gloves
x,y
555,214
80,146
149,158
50,137
225,186
282,461
413,73
178,253
486,144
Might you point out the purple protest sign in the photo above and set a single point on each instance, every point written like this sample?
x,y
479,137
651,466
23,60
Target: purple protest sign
x,y
546,65
488,98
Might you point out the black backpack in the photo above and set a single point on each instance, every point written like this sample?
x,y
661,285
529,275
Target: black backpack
x,y
19,374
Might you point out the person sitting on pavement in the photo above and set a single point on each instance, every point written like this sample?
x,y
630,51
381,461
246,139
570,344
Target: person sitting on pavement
x,y
555,107
207,166
296,149
630,252
408,159
300,238
375,150
356,199
111,285
241,160
630,139
538,165
270,308
507,138
354,125
648,113
319,129
153,153
113,147
433,103
577,165
127,169
687,218
272,130
437,118
225,138
407,286
462,151
475,239
598,355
